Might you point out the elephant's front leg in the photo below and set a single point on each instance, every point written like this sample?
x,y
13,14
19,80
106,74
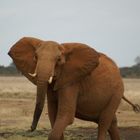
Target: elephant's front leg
x,y
67,99
52,105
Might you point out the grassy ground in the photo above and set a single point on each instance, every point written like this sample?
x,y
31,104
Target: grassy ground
x,y
17,100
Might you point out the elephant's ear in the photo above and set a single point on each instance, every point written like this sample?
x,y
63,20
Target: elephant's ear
x,y
23,54
81,60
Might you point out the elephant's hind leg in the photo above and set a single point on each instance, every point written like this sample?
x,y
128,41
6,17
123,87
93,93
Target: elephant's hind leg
x,y
113,130
107,116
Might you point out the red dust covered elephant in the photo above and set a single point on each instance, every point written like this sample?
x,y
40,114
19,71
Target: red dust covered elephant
x,y
78,81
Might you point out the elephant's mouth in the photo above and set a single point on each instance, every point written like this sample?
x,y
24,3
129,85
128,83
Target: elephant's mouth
x,y
35,75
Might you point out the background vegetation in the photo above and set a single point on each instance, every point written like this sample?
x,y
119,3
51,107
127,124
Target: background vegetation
x,y
9,70
133,71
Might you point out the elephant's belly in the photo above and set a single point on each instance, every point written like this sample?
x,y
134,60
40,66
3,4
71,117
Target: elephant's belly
x,y
90,105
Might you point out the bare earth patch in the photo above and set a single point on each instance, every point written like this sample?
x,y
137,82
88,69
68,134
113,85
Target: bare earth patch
x,y
17,100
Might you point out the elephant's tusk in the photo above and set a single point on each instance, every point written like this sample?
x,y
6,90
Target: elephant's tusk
x,y
33,75
50,79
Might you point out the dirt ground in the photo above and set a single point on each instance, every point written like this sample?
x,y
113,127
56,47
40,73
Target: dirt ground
x,y
17,100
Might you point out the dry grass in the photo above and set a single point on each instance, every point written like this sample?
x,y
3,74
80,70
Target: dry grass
x,y
16,87
17,100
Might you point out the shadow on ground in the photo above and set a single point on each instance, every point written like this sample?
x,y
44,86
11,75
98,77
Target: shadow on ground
x,y
132,133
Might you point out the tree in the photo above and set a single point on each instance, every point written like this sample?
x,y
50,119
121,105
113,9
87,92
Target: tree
x,y
137,60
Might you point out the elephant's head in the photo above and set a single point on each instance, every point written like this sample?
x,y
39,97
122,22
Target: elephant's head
x,y
41,60
37,59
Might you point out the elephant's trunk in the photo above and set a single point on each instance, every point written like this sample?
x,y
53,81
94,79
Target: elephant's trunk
x,y
44,78
40,100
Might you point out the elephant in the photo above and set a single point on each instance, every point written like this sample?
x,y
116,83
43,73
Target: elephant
x,y
77,80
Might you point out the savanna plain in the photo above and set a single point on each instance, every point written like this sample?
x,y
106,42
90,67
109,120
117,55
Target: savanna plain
x,y
17,101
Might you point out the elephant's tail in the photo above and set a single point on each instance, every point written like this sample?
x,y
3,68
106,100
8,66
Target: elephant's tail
x,y
136,107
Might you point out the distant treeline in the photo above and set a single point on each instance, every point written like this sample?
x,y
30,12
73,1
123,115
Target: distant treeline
x,y
126,72
10,70
131,72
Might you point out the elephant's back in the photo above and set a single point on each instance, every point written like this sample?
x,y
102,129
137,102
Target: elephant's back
x,y
107,71
98,88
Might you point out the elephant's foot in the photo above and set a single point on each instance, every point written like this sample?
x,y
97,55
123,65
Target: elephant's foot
x,y
33,126
31,129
